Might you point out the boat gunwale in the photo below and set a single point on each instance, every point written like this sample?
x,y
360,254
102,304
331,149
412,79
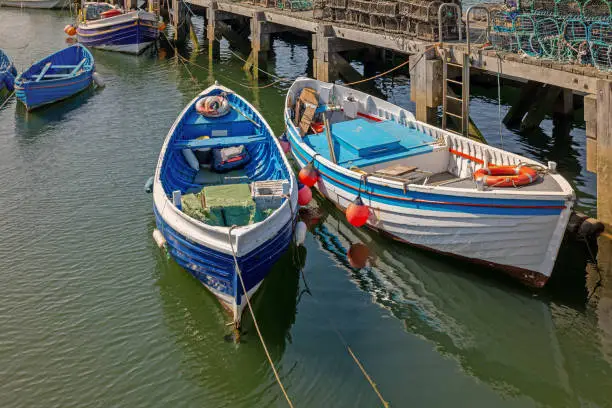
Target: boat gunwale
x,y
567,194
158,189
21,82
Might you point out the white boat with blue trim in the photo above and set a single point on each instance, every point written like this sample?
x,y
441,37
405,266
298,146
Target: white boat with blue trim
x,y
225,198
430,187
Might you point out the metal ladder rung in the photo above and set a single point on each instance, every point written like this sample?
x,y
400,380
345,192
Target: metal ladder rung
x,y
454,82
454,99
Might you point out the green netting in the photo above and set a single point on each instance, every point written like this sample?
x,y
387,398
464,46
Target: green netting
x,y
230,202
192,206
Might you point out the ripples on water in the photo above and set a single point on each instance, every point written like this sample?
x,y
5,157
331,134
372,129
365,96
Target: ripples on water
x,y
92,314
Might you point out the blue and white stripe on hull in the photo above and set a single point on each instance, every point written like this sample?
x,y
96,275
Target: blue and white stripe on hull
x,y
205,250
131,32
517,230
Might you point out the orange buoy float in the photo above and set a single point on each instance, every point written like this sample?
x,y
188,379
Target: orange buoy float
x,y
161,26
304,194
66,28
308,175
358,255
110,13
506,176
357,213
71,31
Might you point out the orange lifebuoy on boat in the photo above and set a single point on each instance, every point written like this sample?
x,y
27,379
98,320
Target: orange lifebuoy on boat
x,y
213,106
506,176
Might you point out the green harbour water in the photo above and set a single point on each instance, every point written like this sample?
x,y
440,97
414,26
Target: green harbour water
x,y
92,314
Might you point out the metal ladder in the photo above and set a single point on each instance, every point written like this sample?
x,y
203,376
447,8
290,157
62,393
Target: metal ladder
x,y
464,101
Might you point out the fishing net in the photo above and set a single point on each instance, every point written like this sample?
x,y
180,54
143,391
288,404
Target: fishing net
x,y
548,35
597,9
600,36
568,8
526,37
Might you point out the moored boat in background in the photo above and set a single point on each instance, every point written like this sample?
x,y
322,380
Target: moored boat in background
x,y
39,4
7,72
225,198
56,77
106,27
418,182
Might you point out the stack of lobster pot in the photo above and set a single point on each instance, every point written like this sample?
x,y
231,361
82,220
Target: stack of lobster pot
x,y
358,13
420,18
384,16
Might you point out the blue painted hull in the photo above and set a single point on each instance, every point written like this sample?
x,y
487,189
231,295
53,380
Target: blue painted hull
x,y
7,72
202,249
35,93
131,36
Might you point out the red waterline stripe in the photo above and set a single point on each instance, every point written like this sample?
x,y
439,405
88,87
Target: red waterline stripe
x,y
365,115
419,200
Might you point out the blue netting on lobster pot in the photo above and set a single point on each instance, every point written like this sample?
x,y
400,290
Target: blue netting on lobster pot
x,y
525,32
503,21
574,44
548,34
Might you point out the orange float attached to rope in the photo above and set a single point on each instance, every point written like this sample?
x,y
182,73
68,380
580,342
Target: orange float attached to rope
x,y
506,176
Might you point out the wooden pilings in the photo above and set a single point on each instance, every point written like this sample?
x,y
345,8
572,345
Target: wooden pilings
x,y
426,86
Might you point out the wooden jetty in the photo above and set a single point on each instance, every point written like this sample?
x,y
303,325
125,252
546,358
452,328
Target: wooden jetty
x,y
433,64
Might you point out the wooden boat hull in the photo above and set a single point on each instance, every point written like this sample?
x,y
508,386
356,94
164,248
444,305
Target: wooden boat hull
x,y
34,94
7,73
205,251
517,233
37,4
130,33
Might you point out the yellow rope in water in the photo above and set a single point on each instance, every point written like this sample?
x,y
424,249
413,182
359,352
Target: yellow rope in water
x,y
392,69
278,380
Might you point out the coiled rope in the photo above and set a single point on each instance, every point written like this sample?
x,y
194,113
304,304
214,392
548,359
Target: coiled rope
x,y
246,295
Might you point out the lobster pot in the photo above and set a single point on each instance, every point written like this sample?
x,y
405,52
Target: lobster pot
x,y
600,55
502,21
364,20
600,35
575,34
384,8
337,4
377,23
269,194
392,25
504,41
352,17
266,3
362,6
526,37
422,10
597,9
325,13
340,15
548,34
565,8
407,26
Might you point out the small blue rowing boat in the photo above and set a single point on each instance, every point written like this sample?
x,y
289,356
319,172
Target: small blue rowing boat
x,y
55,77
7,72
224,195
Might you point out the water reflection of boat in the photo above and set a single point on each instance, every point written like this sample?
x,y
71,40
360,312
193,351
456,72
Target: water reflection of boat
x,y
498,334
196,323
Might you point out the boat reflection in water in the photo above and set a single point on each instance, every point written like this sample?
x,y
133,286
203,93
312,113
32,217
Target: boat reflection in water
x,y
196,320
499,332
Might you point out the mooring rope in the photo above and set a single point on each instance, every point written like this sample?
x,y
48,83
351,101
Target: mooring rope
x,y
7,99
263,343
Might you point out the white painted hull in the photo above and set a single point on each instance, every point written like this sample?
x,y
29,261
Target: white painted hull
x,y
516,230
38,4
127,48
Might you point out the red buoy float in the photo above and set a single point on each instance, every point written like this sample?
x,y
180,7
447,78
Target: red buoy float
x,y
358,255
308,175
284,143
304,195
357,213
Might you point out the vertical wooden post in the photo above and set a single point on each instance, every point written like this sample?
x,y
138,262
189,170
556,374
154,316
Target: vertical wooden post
x,y
604,152
323,47
590,118
426,87
260,43
214,52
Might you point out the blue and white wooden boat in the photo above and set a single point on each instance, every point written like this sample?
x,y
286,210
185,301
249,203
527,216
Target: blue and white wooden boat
x,y
56,77
130,32
7,73
38,4
418,182
205,250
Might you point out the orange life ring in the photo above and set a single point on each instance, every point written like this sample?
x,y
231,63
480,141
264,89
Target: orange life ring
x,y
213,106
506,176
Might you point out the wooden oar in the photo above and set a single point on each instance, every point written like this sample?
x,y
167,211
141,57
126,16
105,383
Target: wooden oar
x,y
243,114
330,142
